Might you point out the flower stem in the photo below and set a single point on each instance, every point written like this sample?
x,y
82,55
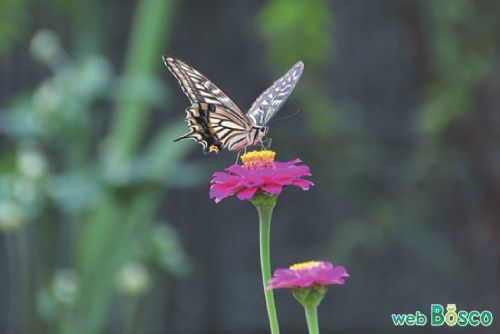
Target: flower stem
x,y
312,318
265,210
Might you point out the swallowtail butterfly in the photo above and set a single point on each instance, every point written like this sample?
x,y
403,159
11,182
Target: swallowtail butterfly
x,y
215,121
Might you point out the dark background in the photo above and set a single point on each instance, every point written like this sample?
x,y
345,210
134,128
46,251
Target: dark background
x,y
107,226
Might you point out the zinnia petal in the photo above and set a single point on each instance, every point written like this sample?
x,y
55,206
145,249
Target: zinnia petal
x,y
274,189
247,193
303,184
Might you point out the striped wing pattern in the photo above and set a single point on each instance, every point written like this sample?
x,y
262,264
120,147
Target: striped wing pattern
x,y
197,87
215,121
214,127
228,128
271,100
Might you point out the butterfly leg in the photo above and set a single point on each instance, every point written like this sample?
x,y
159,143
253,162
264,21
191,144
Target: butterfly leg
x,y
237,157
266,144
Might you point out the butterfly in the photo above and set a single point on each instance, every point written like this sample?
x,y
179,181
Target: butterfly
x,y
215,121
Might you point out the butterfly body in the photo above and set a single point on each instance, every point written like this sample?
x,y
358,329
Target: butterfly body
x,y
215,121
212,127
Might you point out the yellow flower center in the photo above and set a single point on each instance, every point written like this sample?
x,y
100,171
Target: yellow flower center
x,y
304,265
258,159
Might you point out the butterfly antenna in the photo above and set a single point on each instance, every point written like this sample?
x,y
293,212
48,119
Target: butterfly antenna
x,y
284,117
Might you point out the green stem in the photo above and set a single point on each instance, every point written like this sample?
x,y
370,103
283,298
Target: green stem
x,y
265,213
312,319
152,22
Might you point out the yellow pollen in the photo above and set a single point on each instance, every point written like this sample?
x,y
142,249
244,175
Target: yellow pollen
x,y
258,159
304,265
213,148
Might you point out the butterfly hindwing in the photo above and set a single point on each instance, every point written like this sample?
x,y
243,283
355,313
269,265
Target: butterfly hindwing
x,y
271,100
214,127
228,128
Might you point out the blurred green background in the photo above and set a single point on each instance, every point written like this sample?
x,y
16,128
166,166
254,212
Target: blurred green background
x,y
106,223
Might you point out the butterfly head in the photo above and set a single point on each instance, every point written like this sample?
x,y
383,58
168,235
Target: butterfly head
x,y
263,130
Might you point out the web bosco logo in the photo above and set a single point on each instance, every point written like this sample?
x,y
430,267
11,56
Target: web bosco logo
x,y
461,318
439,317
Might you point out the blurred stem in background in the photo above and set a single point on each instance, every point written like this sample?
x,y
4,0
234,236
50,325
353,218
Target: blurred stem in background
x,y
147,38
145,46
96,214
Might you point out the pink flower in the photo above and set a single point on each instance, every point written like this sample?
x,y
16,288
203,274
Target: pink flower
x,y
307,274
258,172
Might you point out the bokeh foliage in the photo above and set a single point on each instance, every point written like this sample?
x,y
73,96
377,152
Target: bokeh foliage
x,y
13,18
80,187
303,30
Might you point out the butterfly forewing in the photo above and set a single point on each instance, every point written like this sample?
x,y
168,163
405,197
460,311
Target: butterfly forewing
x,y
271,100
197,87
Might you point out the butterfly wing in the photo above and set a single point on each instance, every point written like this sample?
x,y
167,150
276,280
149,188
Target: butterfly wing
x,y
197,87
215,128
215,121
271,100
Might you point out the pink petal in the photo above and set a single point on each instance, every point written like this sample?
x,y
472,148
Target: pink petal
x,y
221,177
305,282
247,193
238,170
220,191
272,188
286,164
217,190
303,184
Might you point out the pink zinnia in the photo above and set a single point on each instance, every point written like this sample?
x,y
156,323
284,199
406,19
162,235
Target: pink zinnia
x,y
258,172
307,274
